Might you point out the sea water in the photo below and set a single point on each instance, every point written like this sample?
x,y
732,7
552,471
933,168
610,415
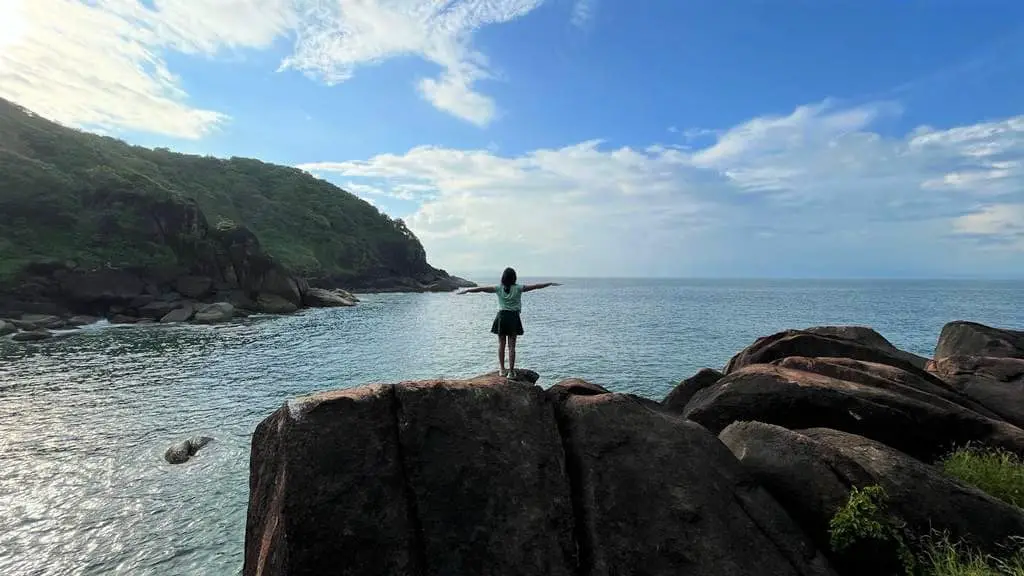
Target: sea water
x,y
85,418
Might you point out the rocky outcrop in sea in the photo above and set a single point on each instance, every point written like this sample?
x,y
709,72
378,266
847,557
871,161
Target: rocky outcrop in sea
x,y
750,469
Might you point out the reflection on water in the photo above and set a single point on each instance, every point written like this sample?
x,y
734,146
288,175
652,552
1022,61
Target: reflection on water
x,y
85,418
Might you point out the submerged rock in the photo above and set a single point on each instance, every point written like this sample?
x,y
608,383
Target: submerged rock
x,y
32,335
182,451
7,328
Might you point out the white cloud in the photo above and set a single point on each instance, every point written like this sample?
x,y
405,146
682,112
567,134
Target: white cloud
x,y
816,183
101,64
1001,224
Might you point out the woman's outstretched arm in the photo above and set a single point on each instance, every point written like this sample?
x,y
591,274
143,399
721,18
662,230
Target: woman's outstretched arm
x,y
488,289
530,287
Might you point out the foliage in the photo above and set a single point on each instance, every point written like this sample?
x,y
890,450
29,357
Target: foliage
x,y
994,471
942,557
865,518
69,195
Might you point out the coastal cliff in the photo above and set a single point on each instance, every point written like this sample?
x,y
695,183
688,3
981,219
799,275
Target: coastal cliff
x,y
93,226
812,452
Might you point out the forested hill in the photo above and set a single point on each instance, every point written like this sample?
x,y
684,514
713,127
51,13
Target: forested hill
x,y
90,201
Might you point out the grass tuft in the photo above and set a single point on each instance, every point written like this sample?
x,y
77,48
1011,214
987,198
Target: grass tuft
x,y
942,557
996,472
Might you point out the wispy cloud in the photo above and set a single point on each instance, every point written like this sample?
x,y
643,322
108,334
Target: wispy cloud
x,y
102,63
765,186
583,12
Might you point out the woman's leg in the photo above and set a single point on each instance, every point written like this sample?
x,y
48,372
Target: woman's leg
x,y
501,354
512,352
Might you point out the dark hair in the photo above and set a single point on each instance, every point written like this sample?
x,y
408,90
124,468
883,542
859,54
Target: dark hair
x,y
508,278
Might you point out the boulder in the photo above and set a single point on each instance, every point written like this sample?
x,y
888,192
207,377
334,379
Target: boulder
x,y
32,335
323,298
681,394
961,338
183,451
274,304
923,428
82,320
811,471
924,387
7,328
194,287
182,314
485,466
431,478
996,383
656,494
105,285
519,374
158,308
123,319
38,321
575,387
867,336
214,313
812,345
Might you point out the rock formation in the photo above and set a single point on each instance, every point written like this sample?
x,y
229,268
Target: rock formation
x,y
734,472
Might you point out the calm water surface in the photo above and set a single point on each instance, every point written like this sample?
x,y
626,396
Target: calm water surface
x,y
84,419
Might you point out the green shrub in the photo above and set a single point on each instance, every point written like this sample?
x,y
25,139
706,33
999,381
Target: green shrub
x,y
865,523
997,472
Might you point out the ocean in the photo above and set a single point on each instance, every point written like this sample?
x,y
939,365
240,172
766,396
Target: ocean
x,y
85,418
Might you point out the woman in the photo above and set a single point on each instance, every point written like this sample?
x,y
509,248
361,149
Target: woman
x,y
507,323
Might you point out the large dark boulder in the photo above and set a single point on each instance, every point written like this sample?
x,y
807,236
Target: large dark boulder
x,y
655,494
819,342
922,427
996,383
811,472
327,494
924,387
680,395
963,338
866,336
484,463
419,478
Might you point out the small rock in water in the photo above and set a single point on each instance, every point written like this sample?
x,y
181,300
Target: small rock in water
x,y
32,335
181,452
7,328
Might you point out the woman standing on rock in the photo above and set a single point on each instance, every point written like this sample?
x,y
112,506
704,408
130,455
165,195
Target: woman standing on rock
x,y
507,323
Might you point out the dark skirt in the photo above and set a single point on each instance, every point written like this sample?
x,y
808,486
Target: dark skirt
x,y
507,323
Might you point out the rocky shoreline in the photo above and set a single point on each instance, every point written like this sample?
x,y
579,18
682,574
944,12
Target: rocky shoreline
x,y
782,462
62,296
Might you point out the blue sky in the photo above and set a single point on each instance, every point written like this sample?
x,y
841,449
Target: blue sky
x,y
585,137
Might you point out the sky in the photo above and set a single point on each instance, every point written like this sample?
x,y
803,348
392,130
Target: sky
x,y
651,138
